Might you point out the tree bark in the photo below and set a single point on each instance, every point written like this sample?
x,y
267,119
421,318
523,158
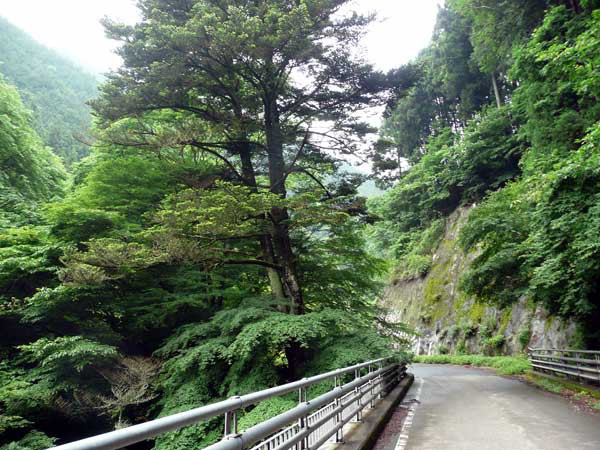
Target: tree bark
x,y
266,243
574,4
496,91
279,216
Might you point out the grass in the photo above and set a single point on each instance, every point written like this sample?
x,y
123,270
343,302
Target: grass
x,y
576,392
547,384
565,385
504,365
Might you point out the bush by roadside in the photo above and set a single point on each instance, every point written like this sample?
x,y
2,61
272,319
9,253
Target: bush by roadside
x,y
583,395
504,365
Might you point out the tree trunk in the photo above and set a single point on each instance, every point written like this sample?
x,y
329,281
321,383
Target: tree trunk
x,y
266,243
279,216
496,91
296,357
574,4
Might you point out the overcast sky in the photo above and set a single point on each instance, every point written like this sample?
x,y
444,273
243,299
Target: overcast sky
x,y
72,27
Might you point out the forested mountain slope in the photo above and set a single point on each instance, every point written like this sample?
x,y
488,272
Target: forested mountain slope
x,y
55,89
500,112
30,173
177,270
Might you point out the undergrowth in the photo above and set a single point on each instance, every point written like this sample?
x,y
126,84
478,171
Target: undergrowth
x,y
575,392
504,365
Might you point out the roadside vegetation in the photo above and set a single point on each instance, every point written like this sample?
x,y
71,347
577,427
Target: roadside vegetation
x,y
172,267
586,396
501,112
504,365
209,242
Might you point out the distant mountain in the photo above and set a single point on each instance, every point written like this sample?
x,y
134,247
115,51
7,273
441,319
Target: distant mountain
x,y
55,89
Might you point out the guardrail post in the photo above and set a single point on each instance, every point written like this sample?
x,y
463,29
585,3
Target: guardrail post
x,y
357,391
303,422
371,403
339,435
230,424
380,377
597,357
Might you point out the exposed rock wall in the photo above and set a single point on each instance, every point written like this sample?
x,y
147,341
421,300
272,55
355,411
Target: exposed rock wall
x,y
449,321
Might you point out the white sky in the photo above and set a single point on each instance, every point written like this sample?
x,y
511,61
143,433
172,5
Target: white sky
x,y
72,27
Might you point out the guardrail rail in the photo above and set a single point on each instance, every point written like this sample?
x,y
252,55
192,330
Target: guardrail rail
x,y
308,426
583,365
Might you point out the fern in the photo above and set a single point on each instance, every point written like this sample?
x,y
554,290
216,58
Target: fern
x,y
64,354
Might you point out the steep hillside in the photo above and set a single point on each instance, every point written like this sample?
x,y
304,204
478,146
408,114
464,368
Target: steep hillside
x,y
527,154
448,320
55,90
29,172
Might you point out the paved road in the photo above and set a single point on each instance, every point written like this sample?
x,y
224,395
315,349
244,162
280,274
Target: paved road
x,y
472,409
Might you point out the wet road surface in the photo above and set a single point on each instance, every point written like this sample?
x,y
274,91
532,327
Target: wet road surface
x,y
458,408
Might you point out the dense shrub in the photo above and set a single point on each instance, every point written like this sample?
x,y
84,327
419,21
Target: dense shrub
x,y
505,365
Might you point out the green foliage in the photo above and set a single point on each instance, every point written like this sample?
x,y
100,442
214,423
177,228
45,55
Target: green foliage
x,y
448,175
586,396
461,347
415,250
495,275
266,410
339,272
34,440
417,265
52,87
65,354
486,329
549,385
535,233
468,329
492,345
497,27
441,349
440,90
505,365
114,189
30,173
453,331
247,348
524,336
530,165
253,340
28,260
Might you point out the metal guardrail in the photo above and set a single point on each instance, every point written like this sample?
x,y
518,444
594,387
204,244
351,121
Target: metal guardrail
x,y
305,427
583,365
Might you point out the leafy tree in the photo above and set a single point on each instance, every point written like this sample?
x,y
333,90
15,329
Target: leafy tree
x,y
497,27
530,164
239,58
536,233
440,90
211,236
29,172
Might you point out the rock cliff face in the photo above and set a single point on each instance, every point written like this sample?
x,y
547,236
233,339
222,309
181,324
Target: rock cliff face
x,y
448,321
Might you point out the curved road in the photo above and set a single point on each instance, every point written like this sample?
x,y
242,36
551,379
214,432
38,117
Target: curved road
x,y
472,409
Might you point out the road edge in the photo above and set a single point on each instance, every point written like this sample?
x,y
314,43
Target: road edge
x,y
365,436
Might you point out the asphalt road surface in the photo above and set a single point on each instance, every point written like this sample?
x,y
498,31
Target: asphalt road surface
x,y
458,408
